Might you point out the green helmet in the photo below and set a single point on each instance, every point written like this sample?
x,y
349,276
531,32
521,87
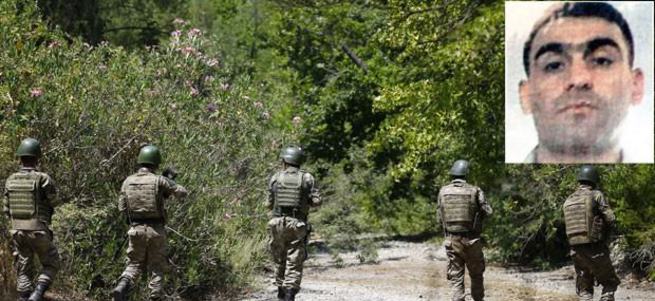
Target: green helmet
x,y
292,155
149,154
460,168
29,147
589,174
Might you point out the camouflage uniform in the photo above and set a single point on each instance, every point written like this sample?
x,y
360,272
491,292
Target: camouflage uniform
x,y
147,234
587,238
29,202
462,207
289,228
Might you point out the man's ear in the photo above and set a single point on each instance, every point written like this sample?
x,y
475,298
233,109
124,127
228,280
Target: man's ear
x,y
524,95
637,87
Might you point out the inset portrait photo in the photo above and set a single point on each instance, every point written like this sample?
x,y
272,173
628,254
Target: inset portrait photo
x,y
579,82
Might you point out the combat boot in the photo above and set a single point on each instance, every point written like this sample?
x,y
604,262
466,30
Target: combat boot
x,y
120,293
23,296
40,289
291,294
607,296
281,292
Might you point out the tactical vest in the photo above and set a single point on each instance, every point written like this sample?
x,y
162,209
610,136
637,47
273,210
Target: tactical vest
x,y
27,207
458,208
143,200
289,194
579,218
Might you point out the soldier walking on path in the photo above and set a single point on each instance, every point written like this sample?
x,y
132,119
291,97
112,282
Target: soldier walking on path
x,y
29,201
589,221
291,192
142,200
462,208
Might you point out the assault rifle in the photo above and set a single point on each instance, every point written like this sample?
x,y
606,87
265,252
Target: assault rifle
x,y
170,173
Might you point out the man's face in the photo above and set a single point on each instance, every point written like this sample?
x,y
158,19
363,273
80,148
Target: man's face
x,y
580,84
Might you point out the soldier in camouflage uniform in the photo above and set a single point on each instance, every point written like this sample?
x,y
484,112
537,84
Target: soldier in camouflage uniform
x,y
142,200
291,192
589,221
29,203
462,208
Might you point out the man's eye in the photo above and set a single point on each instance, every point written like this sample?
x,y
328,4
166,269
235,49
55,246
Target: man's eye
x,y
602,61
554,67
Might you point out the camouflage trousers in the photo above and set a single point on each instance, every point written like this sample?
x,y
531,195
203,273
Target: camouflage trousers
x,y
147,251
592,263
27,244
464,253
288,247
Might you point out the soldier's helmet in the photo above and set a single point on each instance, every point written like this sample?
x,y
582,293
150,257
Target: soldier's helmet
x,y
149,154
460,168
588,174
292,155
29,147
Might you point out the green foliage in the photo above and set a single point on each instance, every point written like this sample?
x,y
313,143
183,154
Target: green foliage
x,y
93,107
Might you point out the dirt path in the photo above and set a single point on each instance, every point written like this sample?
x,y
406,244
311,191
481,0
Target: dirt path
x,y
416,271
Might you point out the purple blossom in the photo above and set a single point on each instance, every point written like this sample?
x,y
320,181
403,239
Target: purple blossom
x,y
212,107
36,92
176,33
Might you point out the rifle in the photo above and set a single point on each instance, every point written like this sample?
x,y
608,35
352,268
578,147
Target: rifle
x,y
170,173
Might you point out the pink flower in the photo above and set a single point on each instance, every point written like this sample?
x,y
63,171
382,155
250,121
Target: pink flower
x,y
194,32
296,121
179,21
188,50
36,92
209,78
54,44
227,216
212,62
258,104
194,91
225,86
176,33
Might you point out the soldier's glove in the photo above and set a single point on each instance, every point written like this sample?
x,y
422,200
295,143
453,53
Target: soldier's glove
x,y
170,172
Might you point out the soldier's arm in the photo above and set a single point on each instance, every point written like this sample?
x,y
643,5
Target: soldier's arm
x,y
270,194
50,191
314,193
122,199
484,205
604,209
5,202
172,188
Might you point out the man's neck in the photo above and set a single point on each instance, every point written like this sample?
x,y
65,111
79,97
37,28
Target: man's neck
x,y
543,155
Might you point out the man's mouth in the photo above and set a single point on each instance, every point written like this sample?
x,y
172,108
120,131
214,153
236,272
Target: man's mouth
x,y
579,106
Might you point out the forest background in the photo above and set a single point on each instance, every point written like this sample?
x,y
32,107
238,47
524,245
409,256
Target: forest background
x,y
383,95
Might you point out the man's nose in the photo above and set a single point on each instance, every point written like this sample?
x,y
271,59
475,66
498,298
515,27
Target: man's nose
x,y
579,76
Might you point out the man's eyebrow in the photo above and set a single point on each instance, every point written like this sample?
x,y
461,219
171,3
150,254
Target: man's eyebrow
x,y
600,42
550,47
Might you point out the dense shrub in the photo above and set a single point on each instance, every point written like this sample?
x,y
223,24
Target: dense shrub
x,y
92,107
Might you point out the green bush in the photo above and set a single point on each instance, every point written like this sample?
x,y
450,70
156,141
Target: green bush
x,y
92,107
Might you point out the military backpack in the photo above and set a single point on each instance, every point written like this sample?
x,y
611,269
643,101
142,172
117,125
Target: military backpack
x,y
26,204
458,208
582,225
143,201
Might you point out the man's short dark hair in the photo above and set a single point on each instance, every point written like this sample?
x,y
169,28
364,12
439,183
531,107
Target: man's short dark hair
x,y
582,9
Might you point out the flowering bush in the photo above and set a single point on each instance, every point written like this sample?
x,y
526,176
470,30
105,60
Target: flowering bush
x,y
92,107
